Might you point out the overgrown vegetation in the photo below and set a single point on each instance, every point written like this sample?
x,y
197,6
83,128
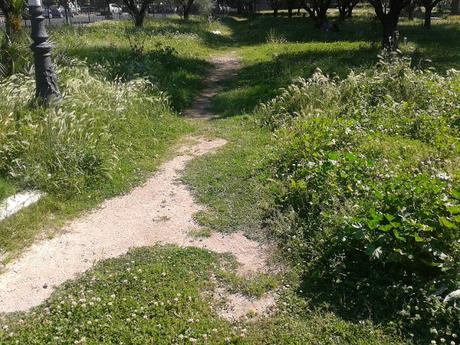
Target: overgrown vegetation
x,y
367,172
105,136
355,173
364,172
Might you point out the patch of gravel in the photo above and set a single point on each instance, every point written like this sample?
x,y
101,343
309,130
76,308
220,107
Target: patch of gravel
x,y
237,306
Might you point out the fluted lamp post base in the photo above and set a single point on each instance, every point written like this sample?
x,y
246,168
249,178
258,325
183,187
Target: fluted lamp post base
x,y
47,91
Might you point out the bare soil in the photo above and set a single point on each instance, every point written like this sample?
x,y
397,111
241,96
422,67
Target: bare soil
x,y
225,68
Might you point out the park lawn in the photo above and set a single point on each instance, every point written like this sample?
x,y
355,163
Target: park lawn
x,y
168,52
232,182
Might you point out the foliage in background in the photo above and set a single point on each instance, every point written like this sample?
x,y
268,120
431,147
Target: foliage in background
x,y
12,10
367,177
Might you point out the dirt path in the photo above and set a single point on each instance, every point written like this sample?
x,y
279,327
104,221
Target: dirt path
x,y
225,67
160,211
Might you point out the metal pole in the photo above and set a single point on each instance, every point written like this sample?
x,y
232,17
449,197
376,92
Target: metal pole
x,y
45,79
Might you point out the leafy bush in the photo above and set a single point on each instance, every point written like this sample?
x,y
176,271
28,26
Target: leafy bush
x,y
80,143
367,176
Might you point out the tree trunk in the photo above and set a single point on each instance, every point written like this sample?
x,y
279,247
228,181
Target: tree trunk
x,y
342,13
239,7
427,23
10,27
455,7
139,19
290,12
410,9
66,14
275,12
186,13
390,26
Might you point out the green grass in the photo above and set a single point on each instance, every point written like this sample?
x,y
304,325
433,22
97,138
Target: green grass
x,y
230,181
234,183
6,189
162,295
168,52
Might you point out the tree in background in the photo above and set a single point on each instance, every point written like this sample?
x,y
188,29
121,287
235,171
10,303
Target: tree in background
x,y
388,12
12,10
138,10
428,5
185,6
290,7
65,4
410,9
317,9
455,7
9,54
346,7
206,7
275,5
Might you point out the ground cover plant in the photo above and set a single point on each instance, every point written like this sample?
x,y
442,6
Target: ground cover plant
x,y
162,295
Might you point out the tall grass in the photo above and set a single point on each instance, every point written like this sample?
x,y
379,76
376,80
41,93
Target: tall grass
x,y
78,144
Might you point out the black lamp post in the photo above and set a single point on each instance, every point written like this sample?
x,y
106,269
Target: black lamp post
x,y
45,79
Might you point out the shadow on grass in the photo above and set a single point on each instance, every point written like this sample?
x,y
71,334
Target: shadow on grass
x,y
181,77
355,48
255,30
261,81
357,289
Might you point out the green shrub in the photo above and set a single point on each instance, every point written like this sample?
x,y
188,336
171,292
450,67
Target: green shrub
x,y
367,177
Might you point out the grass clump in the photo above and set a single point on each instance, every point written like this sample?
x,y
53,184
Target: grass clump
x,y
367,181
6,189
80,144
201,232
230,181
